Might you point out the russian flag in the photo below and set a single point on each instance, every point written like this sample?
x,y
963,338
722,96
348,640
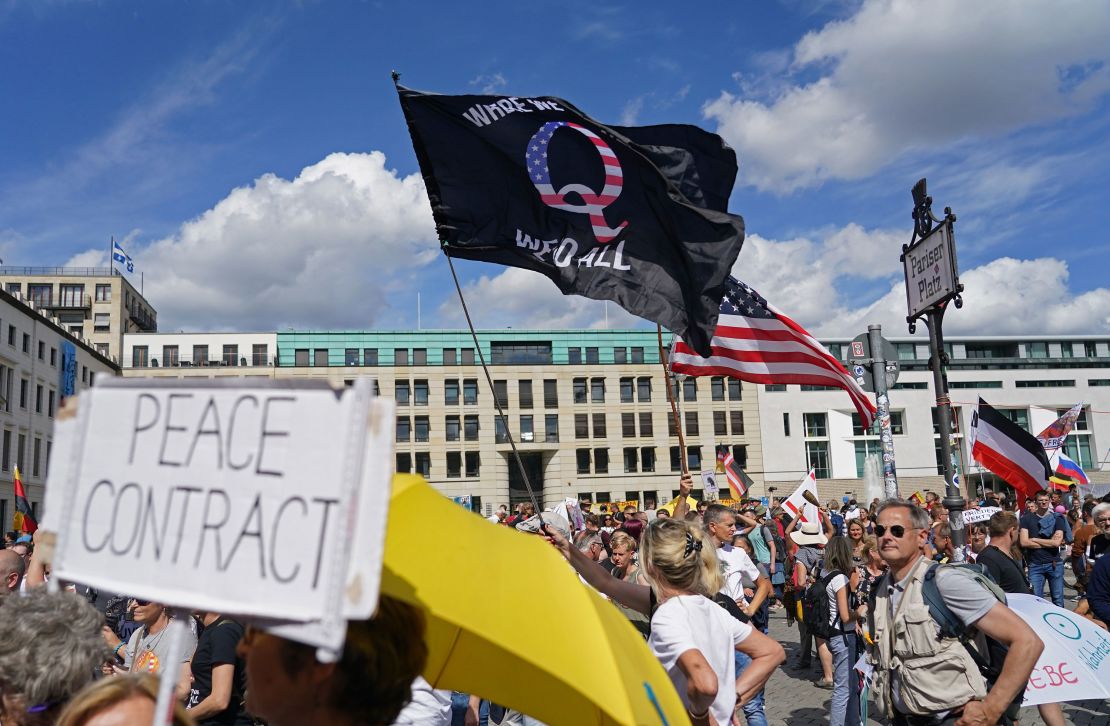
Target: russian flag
x,y
1065,467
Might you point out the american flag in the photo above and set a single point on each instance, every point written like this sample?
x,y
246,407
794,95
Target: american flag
x,y
757,343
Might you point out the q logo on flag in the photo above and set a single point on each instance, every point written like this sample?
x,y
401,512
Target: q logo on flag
x,y
594,204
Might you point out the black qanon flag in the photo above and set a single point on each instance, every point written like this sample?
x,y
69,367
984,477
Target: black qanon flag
x,y
632,215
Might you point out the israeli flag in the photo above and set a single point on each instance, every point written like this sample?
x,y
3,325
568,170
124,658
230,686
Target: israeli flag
x,y
118,255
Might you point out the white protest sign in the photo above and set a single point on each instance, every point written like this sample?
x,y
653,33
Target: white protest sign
x,y
982,514
709,484
225,496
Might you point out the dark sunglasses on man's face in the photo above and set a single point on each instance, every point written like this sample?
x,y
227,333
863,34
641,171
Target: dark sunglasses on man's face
x,y
896,530
142,603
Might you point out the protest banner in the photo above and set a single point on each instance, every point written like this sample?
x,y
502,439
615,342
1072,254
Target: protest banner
x,y
709,484
982,514
227,496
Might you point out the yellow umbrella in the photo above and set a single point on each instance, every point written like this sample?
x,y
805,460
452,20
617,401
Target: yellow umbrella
x,y
670,506
509,620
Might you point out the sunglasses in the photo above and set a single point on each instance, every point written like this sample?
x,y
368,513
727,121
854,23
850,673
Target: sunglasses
x,y
143,603
896,530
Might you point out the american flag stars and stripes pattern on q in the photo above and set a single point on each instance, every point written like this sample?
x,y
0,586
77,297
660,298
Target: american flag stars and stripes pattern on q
x,y
755,342
594,204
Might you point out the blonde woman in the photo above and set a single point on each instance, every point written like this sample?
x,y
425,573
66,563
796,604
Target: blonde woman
x,y
127,699
694,638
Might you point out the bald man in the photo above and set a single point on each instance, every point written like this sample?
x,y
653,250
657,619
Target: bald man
x,y
11,572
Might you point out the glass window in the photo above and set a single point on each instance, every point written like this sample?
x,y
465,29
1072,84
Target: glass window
x,y
817,456
424,464
230,355
139,357
816,425
581,426
470,427
693,458
786,424
645,424
1090,349
6,462
501,393
676,458
422,427
592,357
864,449
643,389
717,387
73,296
103,293
597,390
420,356
620,355
451,392
690,389
451,428
574,357
582,456
300,357
628,425
500,431
524,390
473,462
551,427
260,354
637,355
454,464
720,424
692,423
1020,416
511,353
527,432
775,387
467,356
740,454
1066,350
170,356
647,458
734,389
1078,448
897,423
350,357
1037,350
601,461
370,356
38,398
40,294
401,392
626,390
27,343
320,358
631,460
599,426
470,391
672,429
404,428
420,392
401,357
450,356
550,393
404,463
737,422
579,390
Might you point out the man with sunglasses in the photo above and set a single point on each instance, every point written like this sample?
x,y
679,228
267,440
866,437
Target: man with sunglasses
x,y
922,679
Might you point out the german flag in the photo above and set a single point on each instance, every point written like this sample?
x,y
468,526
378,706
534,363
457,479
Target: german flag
x,y
23,520
917,498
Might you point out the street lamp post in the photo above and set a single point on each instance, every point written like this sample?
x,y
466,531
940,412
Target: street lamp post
x,y
932,281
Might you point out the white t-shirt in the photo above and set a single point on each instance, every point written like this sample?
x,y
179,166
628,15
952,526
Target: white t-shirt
x,y
428,707
836,583
737,567
692,622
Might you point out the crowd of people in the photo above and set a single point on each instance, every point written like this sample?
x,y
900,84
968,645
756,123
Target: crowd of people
x,y
697,580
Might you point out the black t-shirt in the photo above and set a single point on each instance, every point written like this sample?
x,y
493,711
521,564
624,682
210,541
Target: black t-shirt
x,y
1007,573
216,646
1098,546
1037,528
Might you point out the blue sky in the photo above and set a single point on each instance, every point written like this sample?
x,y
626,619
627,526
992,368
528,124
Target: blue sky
x,y
253,159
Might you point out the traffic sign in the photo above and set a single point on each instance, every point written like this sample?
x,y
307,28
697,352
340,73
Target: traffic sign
x,y
861,362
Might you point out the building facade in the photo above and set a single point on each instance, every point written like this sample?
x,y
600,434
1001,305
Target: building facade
x,y
96,304
41,362
1031,379
587,410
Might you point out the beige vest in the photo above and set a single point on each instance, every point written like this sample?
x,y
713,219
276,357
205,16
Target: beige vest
x,y
934,675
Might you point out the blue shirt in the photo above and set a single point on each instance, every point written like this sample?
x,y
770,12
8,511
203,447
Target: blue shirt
x,y
1098,589
1043,528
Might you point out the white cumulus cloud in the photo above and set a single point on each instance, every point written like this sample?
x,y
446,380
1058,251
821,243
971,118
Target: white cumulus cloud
x,y
324,249
900,75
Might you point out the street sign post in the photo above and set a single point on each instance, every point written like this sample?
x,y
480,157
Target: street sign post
x,y
932,280
874,363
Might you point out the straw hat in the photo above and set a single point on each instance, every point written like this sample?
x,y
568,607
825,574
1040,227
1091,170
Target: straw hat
x,y
809,534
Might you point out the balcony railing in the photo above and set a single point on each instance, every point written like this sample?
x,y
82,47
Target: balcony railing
x,y
69,302
157,362
146,321
58,271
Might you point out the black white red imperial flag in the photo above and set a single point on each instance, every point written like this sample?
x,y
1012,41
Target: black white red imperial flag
x,y
632,215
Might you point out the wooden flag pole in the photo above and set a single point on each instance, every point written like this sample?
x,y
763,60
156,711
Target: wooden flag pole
x,y
670,399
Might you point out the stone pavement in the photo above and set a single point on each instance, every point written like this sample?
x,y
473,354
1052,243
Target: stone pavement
x,y
794,700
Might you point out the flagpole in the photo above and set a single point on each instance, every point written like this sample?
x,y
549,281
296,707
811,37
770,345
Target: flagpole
x,y
111,252
489,379
670,399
